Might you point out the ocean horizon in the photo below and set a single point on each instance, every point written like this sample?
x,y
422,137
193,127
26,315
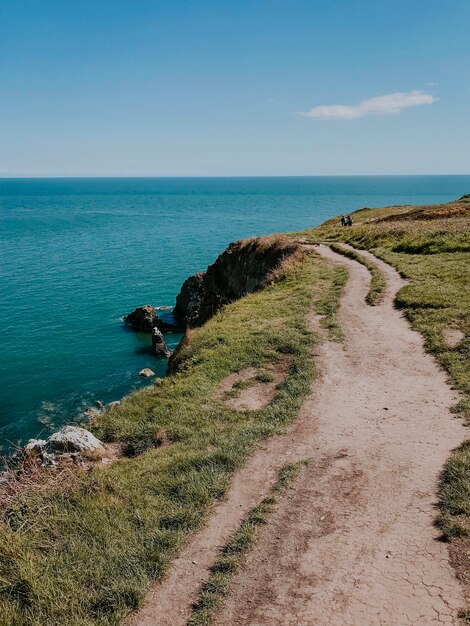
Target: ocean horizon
x,y
79,253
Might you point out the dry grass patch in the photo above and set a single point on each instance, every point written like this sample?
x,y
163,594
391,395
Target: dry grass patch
x,y
452,336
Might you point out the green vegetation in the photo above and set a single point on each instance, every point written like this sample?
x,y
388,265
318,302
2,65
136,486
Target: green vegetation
x,y
215,588
377,283
455,493
430,247
264,377
86,554
326,304
239,386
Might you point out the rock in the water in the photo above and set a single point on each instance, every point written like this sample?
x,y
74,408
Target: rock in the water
x,y
73,439
158,343
146,372
99,404
144,318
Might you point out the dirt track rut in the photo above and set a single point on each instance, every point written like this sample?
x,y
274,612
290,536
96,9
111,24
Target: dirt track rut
x,y
353,543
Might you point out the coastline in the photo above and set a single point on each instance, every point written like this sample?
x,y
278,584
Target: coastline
x,y
108,246
182,440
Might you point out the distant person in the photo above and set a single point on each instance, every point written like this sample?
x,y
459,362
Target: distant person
x,y
343,221
349,221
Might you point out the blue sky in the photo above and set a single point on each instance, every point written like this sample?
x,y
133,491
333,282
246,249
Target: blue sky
x,y
201,88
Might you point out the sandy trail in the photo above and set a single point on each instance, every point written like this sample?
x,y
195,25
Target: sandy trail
x,y
353,542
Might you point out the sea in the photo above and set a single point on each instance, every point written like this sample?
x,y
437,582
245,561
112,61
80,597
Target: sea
x,y
78,254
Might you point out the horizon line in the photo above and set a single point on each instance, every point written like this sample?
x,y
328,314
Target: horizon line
x,y
205,176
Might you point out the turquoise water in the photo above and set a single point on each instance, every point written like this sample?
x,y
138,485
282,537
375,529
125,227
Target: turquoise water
x,y
77,254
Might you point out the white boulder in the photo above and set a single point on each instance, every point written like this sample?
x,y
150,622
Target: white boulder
x,y
146,372
73,439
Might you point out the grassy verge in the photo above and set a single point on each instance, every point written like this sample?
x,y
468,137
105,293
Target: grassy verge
x,y
377,283
430,247
231,556
85,555
326,305
455,494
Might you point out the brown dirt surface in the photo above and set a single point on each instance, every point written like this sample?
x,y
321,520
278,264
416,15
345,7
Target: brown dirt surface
x,y
258,394
459,550
352,543
452,336
226,385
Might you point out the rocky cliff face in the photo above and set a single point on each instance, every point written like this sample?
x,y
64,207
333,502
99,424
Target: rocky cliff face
x,y
243,268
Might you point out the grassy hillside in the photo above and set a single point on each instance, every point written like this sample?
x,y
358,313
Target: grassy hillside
x,y
85,553
430,247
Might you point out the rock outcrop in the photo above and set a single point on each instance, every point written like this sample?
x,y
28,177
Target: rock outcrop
x,y
146,372
68,442
243,268
73,439
190,300
158,343
143,318
175,360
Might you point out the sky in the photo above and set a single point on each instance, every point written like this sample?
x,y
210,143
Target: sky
x,y
234,87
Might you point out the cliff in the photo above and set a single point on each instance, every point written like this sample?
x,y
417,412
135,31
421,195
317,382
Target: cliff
x,y
243,268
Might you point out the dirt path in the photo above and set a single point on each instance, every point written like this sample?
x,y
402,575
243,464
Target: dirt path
x,y
352,543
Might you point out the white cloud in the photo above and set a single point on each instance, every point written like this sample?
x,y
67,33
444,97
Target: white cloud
x,y
380,105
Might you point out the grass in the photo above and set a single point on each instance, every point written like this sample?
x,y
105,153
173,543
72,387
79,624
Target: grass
x,y
455,493
239,386
264,377
261,376
326,305
85,554
377,283
430,247
231,556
